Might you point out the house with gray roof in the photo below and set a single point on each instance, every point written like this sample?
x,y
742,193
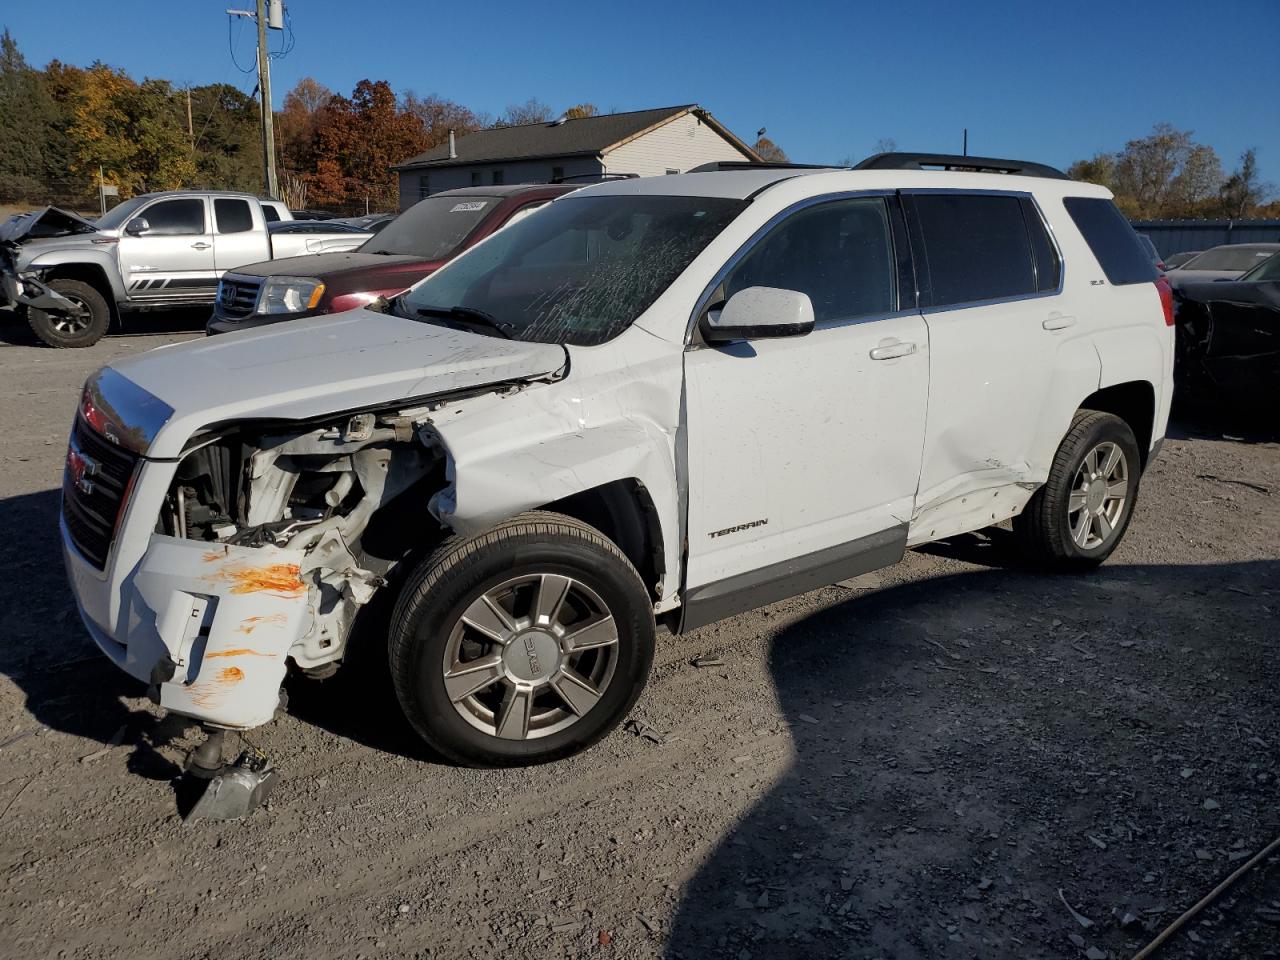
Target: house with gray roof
x,y
643,142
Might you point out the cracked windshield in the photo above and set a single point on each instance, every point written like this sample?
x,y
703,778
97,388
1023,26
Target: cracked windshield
x,y
580,272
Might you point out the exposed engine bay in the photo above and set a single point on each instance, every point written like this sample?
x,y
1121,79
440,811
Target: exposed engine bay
x,y
352,496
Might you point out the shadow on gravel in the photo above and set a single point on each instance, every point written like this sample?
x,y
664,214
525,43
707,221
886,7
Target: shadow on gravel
x,y
359,702
966,747
44,650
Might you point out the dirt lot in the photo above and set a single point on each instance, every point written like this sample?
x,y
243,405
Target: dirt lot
x,y
926,762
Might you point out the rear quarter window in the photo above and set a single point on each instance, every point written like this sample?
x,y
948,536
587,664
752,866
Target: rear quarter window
x,y
1114,243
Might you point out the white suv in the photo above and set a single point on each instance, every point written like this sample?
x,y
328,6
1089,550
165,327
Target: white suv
x,y
658,400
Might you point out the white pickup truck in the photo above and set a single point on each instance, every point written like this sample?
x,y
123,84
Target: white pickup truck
x,y
74,276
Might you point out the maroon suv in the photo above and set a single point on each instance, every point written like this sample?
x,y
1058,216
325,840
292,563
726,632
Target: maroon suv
x,y
422,239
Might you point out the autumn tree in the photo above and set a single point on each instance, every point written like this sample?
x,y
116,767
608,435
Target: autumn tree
x,y
438,116
1164,174
581,110
357,141
1244,191
767,150
296,123
531,111
1100,169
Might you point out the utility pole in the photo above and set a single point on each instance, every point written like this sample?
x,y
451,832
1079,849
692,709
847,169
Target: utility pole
x,y
274,22
268,115
191,133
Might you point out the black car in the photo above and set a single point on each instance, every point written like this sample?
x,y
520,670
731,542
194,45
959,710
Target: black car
x,y
1228,340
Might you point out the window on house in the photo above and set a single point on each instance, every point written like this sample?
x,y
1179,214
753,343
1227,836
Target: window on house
x,y
424,186
475,178
499,177
671,170
557,174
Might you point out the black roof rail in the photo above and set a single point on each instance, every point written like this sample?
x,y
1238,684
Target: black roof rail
x,y
726,166
953,161
600,177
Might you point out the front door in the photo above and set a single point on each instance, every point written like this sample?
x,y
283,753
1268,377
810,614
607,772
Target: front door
x,y
804,452
172,259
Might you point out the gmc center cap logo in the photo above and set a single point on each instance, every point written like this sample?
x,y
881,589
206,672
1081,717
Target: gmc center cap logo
x,y
81,469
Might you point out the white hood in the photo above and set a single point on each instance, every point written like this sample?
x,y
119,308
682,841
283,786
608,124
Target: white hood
x,y
312,367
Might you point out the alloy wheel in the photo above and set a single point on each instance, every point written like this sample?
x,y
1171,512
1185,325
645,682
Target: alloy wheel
x,y
530,656
72,321
1098,497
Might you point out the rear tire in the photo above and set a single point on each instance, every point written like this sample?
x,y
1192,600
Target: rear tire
x,y
523,645
83,328
1080,515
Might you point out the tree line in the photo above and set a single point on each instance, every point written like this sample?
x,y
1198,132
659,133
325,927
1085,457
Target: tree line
x,y
1168,175
66,126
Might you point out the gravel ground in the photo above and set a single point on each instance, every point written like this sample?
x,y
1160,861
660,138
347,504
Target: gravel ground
x,y
930,761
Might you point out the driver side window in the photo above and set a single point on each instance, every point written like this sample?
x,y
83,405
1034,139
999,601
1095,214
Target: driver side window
x,y
839,253
175,218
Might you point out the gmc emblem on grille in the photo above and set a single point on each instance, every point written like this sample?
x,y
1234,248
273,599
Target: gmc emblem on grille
x,y
226,293
81,469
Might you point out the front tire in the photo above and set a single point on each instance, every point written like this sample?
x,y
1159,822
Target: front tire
x,y
82,326
523,645
1080,515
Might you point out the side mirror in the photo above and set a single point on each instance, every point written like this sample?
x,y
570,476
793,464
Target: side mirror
x,y
137,226
759,312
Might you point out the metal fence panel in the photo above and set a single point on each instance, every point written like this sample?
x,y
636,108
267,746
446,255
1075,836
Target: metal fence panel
x,y
1176,236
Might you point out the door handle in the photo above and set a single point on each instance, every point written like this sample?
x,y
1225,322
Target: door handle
x,y
892,350
1058,321
201,245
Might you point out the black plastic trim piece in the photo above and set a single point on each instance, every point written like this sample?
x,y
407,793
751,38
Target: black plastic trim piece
x,y
789,578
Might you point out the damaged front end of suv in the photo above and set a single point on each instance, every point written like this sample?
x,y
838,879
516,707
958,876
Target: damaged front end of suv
x,y
302,528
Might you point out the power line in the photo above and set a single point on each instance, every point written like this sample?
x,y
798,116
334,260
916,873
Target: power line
x,y
232,23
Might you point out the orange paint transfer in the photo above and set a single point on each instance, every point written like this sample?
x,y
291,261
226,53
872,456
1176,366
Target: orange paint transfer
x,y
250,624
277,579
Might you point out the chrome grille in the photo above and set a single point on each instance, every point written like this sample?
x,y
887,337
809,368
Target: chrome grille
x,y
94,485
237,296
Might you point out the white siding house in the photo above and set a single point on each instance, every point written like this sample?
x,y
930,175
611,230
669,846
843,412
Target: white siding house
x,y
644,143
676,146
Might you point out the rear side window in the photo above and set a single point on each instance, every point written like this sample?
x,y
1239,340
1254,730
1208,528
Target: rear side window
x,y
175,218
233,216
270,213
1113,242
977,248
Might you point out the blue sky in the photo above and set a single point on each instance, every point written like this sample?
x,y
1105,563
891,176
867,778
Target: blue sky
x,y
1050,82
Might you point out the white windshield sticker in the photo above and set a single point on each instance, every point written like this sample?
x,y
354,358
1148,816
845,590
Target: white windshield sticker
x,y
468,206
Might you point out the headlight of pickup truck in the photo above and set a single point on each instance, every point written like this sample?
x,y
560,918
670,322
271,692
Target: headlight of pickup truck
x,y
290,294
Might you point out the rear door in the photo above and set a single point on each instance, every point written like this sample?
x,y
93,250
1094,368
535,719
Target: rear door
x,y
173,258
804,452
239,236
990,284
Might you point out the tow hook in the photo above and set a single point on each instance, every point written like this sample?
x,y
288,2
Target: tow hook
x,y
230,791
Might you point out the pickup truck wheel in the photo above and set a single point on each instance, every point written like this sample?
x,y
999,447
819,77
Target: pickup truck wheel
x,y
522,645
1081,513
83,326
